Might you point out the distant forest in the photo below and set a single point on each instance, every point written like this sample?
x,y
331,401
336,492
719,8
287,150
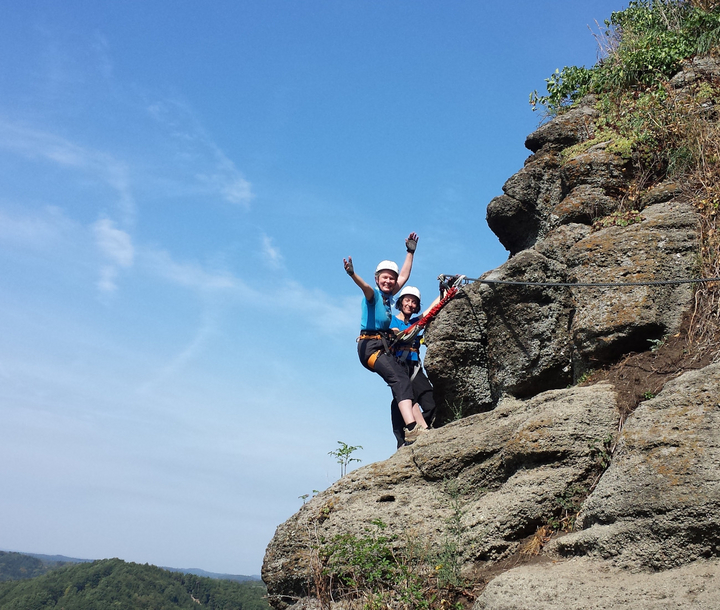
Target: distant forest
x,y
27,583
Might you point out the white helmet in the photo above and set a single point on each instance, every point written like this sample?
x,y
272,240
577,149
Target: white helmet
x,y
387,266
407,291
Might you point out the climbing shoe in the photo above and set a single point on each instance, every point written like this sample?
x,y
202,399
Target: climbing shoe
x,y
412,435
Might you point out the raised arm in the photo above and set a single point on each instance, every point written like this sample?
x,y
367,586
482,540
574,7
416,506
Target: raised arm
x,y
404,276
364,286
435,302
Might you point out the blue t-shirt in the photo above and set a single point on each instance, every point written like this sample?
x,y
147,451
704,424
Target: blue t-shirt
x,y
377,314
412,355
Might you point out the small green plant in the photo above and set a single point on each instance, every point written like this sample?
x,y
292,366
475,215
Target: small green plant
x,y
456,409
367,568
304,497
601,450
380,570
656,344
641,47
618,219
648,395
342,455
446,560
585,376
569,503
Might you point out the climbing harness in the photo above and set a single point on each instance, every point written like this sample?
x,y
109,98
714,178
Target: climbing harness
x,y
377,335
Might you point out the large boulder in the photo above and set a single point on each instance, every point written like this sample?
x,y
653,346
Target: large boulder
x,y
658,505
506,468
609,322
580,584
526,338
503,338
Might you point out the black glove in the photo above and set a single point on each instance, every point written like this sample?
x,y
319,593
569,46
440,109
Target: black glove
x,y
410,244
349,268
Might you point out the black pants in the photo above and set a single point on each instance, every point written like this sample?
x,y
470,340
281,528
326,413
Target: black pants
x,y
394,372
423,395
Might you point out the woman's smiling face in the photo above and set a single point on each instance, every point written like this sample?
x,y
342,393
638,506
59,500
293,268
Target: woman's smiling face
x,y
409,305
386,280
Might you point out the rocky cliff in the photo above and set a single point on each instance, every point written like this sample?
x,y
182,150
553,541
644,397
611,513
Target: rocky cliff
x,y
547,492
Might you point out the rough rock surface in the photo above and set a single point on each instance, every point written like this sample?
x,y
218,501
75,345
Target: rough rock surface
x,y
582,584
509,467
561,218
516,339
609,323
658,505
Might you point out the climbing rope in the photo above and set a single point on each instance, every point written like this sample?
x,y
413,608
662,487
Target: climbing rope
x,y
412,331
589,284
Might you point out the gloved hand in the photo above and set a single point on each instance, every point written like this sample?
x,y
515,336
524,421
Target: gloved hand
x,y
411,243
349,266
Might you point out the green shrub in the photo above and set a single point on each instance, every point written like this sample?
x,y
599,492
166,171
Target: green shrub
x,y
643,45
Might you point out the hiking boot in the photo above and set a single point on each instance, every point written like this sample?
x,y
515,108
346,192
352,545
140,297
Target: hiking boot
x,y
412,435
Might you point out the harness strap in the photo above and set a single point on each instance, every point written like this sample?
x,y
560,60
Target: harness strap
x,y
382,336
373,357
406,348
416,370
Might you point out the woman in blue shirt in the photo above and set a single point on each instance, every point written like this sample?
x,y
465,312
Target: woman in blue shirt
x,y
408,305
375,335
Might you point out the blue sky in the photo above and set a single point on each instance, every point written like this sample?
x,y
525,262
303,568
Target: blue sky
x,y
179,182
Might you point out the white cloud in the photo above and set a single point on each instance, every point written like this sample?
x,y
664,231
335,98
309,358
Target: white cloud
x,y
239,191
42,229
106,283
192,275
273,257
114,243
213,168
329,314
37,144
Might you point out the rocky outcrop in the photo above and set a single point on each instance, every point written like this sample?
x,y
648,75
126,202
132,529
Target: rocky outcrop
x,y
658,505
531,449
499,338
566,217
507,468
581,584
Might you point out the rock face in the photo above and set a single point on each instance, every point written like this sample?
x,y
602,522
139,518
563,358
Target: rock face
x,y
564,219
581,584
658,505
508,468
505,355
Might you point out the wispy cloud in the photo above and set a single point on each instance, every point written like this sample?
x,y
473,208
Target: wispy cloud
x,y
106,282
115,245
203,333
211,165
324,311
273,257
36,144
41,229
193,275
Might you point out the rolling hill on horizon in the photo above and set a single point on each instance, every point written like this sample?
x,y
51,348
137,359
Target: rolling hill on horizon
x,y
55,561
112,583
